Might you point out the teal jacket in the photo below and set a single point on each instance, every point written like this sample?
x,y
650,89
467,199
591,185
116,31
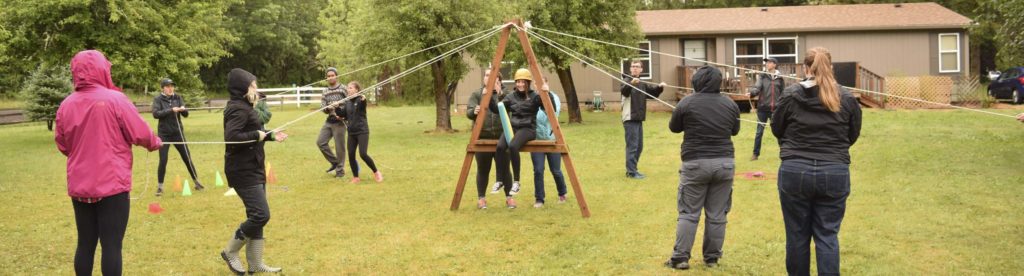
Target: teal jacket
x,y
544,131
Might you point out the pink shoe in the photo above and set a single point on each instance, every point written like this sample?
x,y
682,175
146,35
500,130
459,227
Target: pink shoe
x,y
378,176
355,180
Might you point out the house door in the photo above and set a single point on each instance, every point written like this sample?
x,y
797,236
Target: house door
x,y
695,51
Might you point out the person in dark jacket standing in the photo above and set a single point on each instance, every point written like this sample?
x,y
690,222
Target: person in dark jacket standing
x,y
522,106
358,132
334,126
707,120
491,130
768,88
634,112
245,171
816,122
168,109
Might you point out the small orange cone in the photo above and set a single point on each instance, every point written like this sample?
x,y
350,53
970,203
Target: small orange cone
x,y
177,183
154,208
271,178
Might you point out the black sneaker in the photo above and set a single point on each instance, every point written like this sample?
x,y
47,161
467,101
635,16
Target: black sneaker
x,y
339,173
159,191
636,175
198,187
711,262
332,168
680,265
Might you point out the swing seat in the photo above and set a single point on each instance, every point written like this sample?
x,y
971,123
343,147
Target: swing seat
x,y
491,145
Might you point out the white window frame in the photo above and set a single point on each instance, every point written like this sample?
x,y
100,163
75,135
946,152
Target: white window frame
x,y
642,57
765,41
957,51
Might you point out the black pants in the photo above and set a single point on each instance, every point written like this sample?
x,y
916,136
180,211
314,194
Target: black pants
x,y
104,221
257,211
483,171
509,153
182,150
362,141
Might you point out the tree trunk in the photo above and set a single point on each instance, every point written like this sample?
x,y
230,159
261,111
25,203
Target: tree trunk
x,y
444,116
572,101
49,125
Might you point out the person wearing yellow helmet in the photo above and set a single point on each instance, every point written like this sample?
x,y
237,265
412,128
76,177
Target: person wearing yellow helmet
x,y
522,106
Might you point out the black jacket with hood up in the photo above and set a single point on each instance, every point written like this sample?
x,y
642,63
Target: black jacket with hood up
x,y
243,163
806,129
706,118
169,125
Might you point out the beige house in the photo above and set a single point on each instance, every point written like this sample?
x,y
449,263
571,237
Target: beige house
x,y
868,42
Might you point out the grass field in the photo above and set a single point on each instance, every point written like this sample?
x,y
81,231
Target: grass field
x,y
934,192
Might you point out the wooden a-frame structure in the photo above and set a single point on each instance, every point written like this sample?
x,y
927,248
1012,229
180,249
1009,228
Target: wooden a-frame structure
x,y
478,145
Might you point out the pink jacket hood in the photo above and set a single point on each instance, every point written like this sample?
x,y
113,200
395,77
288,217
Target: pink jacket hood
x,y
95,128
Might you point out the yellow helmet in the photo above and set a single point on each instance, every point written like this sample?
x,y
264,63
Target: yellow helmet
x,y
523,74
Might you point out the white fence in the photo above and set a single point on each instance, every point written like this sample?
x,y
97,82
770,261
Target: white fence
x,y
293,95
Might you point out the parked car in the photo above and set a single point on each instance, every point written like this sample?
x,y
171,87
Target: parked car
x,y
1009,85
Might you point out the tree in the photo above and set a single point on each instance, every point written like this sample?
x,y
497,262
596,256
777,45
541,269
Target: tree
x,y
144,39
277,42
378,30
617,19
44,90
1009,37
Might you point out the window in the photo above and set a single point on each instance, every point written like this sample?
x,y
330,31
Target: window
x,y
508,71
645,59
755,50
949,53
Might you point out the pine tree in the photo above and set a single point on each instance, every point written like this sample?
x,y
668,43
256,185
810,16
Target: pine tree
x,y
44,90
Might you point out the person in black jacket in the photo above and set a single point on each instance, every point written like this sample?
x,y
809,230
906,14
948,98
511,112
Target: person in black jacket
x,y
244,169
634,112
358,132
491,130
816,122
522,106
768,88
707,119
168,109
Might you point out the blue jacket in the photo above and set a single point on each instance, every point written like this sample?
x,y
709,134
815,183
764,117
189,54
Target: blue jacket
x,y
544,131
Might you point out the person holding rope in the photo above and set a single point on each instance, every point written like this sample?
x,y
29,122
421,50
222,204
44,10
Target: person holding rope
x,y
245,171
358,132
554,159
634,112
1020,117
767,88
95,128
334,126
816,122
522,106
168,109
491,130
708,120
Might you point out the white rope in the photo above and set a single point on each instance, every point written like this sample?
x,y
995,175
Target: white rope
x,y
759,71
406,55
395,77
564,50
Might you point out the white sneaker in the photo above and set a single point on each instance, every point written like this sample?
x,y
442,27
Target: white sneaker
x,y
538,205
497,187
515,188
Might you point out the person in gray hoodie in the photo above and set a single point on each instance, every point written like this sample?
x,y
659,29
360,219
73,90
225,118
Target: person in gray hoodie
x,y
708,120
768,89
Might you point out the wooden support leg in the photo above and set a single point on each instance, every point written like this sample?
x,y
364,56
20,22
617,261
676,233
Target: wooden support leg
x,y
462,181
576,189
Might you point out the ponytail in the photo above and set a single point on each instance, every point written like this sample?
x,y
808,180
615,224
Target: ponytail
x,y
819,60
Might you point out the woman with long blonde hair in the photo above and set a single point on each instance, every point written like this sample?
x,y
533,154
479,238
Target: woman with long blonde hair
x,y
815,122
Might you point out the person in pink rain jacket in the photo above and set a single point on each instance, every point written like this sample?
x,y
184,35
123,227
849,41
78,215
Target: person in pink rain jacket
x,y
95,128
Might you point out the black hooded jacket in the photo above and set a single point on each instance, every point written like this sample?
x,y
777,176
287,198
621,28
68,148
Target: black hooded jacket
x,y
706,118
806,129
354,113
243,163
522,108
168,127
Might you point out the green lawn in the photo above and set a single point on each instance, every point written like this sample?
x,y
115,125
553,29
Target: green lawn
x,y
934,192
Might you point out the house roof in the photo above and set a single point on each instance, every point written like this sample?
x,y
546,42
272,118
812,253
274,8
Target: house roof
x,y
801,19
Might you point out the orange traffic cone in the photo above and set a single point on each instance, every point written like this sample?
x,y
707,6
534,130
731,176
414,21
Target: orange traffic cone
x,y
271,178
177,183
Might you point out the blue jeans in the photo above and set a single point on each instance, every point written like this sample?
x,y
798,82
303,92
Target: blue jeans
x,y
634,144
813,197
762,116
555,162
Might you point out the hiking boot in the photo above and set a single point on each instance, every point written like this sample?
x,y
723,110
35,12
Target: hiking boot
x,y
497,187
511,203
680,265
481,204
515,188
